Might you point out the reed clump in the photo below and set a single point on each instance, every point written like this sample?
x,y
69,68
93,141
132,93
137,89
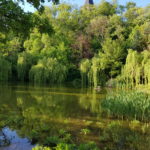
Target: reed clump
x,y
129,105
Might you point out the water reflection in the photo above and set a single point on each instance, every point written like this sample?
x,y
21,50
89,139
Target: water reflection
x,y
41,112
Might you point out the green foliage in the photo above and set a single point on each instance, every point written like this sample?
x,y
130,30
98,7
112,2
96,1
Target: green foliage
x,y
48,70
131,105
41,148
136,70
13,18
64,146
37,3
85,131
88,43
5,69
84,68
104,65
138,39
106,8
24,63
88,146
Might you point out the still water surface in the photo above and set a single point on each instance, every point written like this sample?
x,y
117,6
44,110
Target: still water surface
x,y
31,114
26,109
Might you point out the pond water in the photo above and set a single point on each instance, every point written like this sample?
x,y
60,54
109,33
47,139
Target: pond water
x,y
31,114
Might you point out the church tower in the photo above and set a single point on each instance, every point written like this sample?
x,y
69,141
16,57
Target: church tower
x,y
87,2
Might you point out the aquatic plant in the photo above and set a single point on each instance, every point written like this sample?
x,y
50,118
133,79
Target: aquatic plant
x,y
85,131
130,104
66,146
88,146
41,148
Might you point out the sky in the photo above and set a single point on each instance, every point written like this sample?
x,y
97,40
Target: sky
x,y
140,3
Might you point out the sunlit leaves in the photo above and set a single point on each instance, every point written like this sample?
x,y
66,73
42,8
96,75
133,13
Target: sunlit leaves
x,y
48,70
137,69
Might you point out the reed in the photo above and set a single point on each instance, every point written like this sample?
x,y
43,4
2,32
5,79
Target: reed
x,y
130,105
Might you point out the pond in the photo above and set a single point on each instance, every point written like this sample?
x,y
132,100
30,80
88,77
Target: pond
x,y
31,115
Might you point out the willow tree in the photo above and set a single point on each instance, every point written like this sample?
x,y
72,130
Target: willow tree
x,y
106,64
131,69
24,63
85,67
136,71
48,70
146,67
92,72
5,69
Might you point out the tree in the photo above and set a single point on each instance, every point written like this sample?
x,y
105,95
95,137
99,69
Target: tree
x,y
37,3
12,16
137,40
130,5
106,8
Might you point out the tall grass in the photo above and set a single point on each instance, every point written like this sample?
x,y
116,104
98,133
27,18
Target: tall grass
x,y
130,105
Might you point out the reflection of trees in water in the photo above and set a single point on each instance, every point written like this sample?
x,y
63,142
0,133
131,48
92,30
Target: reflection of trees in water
x,y
91,102
8,110
39,114
7,96
55,105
